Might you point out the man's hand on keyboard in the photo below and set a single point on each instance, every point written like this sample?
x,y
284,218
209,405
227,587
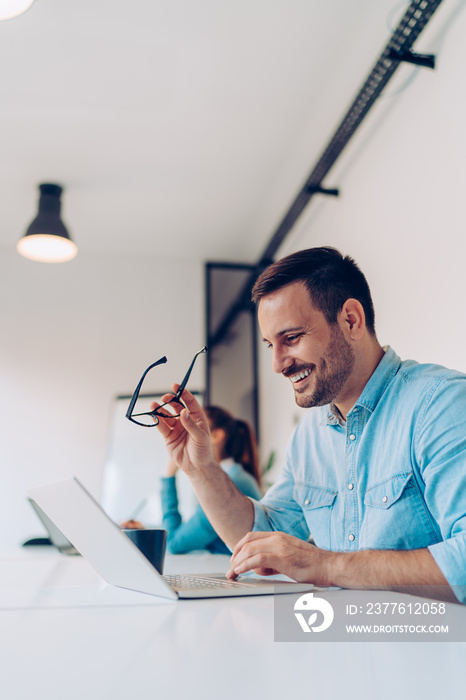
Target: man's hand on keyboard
x,y
269,553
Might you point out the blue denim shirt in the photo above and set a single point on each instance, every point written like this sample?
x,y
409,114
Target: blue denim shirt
x,y
392,477
197,532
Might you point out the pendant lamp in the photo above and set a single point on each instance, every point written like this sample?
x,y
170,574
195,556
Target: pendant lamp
x,y
46,239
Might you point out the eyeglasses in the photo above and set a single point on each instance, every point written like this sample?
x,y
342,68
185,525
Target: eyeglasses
x,y
149,419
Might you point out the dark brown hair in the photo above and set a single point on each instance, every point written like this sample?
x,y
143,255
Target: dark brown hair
x,y
329,277
240,441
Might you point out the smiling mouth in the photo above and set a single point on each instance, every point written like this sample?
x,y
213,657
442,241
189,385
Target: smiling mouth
x,y
295,378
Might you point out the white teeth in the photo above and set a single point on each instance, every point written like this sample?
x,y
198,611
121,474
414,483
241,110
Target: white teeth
x,y
300,375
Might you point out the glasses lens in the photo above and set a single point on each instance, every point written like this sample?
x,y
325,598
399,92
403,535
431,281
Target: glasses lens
x,y
146,420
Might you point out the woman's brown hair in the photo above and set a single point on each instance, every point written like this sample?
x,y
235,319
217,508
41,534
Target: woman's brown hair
x,y
240,443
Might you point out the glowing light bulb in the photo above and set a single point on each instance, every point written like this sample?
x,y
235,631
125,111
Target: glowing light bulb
x,y
13,8
43,247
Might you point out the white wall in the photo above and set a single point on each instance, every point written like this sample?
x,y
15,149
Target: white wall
x,y
401,216
74,336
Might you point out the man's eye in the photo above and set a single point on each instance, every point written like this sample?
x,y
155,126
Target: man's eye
x,y
293,338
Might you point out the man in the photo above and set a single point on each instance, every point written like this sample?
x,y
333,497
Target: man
x,y
375,471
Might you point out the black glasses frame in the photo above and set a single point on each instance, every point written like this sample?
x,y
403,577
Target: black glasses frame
x,y
175,399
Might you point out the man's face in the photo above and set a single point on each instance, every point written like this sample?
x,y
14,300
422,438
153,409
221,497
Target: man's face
x,y
313,354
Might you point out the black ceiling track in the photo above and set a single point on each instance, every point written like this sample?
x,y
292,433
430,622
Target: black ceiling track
x,y
397,51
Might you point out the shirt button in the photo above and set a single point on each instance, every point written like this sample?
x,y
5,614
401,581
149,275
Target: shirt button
x,y
351,487
306,502
351,538
352,436
384,499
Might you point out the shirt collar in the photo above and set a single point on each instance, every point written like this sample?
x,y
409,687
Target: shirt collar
x,y
334,416
374,389
380,379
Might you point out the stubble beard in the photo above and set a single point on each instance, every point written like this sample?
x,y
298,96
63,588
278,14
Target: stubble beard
x,y
334,368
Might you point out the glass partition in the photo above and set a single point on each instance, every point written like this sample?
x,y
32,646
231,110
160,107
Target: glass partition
x,y
232,341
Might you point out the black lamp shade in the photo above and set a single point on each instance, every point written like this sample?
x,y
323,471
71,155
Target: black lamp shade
x,y
46,238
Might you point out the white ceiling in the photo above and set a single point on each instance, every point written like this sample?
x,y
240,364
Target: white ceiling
x,y
177,127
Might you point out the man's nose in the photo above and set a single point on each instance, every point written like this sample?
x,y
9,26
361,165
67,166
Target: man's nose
x,y
280,360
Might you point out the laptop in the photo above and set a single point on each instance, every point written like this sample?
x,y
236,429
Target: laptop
x,y
56,536
119,562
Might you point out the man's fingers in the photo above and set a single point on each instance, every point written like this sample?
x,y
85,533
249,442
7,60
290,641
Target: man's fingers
x,y
194,423
261,562
193,406
248,552
168,408
197,429
164,428
250,537
167,424
177,407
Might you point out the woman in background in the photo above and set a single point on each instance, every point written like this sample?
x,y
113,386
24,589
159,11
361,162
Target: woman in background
x,y
235,449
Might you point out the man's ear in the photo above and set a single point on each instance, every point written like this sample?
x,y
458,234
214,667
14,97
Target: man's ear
x,y
352,319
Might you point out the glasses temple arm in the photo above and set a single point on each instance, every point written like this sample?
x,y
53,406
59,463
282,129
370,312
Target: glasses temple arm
x,y
188,373
138,388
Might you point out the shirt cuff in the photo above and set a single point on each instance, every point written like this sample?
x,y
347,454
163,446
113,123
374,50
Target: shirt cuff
x,y
450,557
261,521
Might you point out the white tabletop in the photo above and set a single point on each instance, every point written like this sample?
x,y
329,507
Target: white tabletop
x,y
67,635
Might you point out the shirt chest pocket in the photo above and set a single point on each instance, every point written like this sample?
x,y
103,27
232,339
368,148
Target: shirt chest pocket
x,y
317,505
395,516
384,495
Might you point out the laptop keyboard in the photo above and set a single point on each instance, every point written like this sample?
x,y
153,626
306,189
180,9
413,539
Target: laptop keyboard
x,y
195,582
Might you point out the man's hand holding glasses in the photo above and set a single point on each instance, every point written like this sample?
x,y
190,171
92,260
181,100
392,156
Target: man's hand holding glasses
x,y
186,432
179,419
184,426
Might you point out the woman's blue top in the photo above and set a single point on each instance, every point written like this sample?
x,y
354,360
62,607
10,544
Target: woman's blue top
x,y
197,532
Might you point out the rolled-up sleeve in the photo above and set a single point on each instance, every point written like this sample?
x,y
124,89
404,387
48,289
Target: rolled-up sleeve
x,y
441,446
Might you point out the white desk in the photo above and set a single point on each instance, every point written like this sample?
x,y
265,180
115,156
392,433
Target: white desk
x,y
65,635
